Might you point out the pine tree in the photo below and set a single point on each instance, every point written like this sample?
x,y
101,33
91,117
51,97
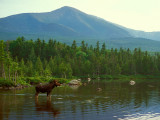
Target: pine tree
x,y
52,65
2,60
65,70
15,69
32,55
47,71
38,47
97,47
74,45
83,47
22,68
8,64
30,70
39,66
103,48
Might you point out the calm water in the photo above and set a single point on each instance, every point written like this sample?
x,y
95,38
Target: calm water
x,y
116,101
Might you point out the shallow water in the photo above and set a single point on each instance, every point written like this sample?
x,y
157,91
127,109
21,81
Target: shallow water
x,y
116,101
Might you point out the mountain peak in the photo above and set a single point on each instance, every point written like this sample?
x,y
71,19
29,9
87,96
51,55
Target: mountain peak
x,y
61,20
66,9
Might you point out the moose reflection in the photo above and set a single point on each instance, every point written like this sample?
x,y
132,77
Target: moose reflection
x,y
46,107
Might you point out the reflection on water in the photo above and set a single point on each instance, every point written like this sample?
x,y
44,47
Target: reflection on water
x,y
46,107
116,101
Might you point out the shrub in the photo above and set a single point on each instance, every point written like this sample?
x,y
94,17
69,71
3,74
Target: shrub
x,y
33,80
7,83
61,80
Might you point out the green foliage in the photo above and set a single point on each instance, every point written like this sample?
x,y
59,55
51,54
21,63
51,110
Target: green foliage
x,y
25,61
33,80
36,80
2,51
39,66
2,59
6,83
61,80
22,82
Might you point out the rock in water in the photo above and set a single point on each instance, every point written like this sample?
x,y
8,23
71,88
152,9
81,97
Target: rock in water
x,y
74,82
132,82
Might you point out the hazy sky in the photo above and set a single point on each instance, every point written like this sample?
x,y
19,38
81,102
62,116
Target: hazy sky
x,y
135,14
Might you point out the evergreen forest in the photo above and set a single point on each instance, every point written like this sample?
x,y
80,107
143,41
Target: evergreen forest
x,y
22,58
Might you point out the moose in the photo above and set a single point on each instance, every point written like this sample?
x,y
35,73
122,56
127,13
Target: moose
x,y
46,88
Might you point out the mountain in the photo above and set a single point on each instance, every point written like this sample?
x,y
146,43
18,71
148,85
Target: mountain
x,y
27,24
147,35
67,24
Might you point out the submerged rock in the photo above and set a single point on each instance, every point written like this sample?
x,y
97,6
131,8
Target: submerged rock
x,y
84,84
99,89
74,87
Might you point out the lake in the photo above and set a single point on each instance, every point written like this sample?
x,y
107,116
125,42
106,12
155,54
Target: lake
x,y
115,101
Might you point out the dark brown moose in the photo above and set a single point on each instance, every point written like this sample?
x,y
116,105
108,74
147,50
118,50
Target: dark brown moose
x,y
46,88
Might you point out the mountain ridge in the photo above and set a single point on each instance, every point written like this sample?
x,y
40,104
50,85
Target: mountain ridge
x,y
77,22
69,24
84,25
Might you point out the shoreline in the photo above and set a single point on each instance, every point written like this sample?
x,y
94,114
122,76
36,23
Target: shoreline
x,y
14,88
84,78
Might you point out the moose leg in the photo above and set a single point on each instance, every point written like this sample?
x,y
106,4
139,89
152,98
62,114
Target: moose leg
x,y
48,95
36,95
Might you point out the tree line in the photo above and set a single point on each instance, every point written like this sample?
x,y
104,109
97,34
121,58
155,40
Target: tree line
x,y
28,58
